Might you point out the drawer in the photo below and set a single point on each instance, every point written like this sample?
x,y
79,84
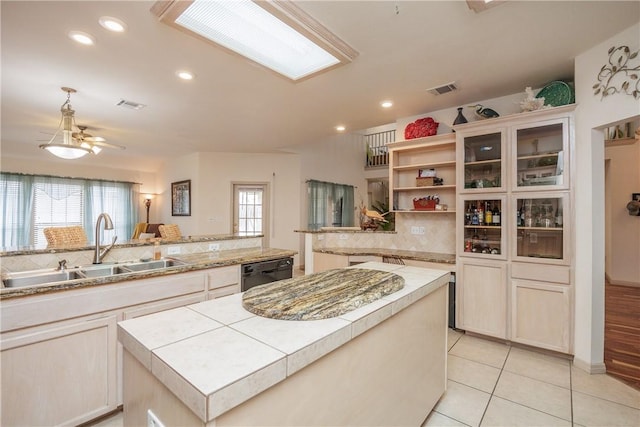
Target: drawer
x,y
543,273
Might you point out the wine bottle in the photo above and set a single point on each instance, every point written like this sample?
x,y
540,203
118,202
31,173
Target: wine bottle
x,y
496,215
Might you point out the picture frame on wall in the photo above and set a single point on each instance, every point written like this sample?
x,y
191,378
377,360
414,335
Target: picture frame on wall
x,y
181,198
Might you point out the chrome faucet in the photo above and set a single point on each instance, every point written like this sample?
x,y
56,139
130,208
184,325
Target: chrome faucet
x,y
108,225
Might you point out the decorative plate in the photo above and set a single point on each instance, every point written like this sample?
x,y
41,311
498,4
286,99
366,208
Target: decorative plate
x,y
557,93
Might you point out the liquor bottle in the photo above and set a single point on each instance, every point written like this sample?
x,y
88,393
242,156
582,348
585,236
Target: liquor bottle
x,y
480,215
496,215
474,217
488,215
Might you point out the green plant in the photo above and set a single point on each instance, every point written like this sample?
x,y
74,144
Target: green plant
x,y
383,208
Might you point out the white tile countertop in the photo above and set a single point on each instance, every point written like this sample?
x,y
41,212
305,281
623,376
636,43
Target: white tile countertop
x,y
216,355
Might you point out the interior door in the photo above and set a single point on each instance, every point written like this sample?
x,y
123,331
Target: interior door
x,y
251,210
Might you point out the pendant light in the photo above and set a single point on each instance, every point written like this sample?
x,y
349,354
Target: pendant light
x,y
66,147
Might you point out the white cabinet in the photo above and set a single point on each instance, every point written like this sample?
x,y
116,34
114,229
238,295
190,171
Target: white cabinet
x,y
521,167
60,357
223,281
482,300
62,373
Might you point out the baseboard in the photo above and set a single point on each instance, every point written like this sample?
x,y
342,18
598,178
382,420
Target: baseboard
x,y
622,282
591,368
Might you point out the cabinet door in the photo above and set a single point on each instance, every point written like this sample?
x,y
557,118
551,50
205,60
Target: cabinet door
x,y
224,277
483,226
59,374
323,262
540,156
481,160
541,314
482,296
541,234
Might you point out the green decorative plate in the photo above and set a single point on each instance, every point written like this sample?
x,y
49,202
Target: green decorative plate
x,y
556,93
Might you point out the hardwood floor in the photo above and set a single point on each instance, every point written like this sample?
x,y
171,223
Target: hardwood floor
x,y
622,333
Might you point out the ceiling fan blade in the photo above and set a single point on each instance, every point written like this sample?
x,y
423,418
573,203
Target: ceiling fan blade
x,y
108,145
93,139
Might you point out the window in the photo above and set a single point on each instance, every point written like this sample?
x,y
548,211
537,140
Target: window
x,y
330,205
31,203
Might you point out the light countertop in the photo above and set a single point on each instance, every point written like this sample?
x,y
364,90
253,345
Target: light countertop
x,y
215,355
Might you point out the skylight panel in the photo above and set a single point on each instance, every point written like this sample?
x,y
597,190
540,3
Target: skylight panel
x,y
278,35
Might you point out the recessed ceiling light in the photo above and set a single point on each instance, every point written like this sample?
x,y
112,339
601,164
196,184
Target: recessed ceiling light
x,y
82,38
185,75
112,24
340,128
386,104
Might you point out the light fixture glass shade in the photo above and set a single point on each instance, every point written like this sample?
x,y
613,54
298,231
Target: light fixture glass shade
x,y
64,151
251,31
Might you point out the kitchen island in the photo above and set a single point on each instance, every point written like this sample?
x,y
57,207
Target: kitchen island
x,y
216,363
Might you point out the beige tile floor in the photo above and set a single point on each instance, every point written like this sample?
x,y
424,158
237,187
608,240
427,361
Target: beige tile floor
x,y
494,384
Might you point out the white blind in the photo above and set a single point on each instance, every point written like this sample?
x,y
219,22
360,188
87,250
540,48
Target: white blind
x,y
56,204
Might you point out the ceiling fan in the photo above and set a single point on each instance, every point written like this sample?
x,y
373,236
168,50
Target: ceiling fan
x,y
68,144
83,137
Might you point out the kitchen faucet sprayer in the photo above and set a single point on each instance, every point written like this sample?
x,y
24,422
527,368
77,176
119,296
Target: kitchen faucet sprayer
x,y
108,225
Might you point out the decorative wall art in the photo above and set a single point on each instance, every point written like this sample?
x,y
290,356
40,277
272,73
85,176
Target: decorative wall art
x,y
619,74
181,198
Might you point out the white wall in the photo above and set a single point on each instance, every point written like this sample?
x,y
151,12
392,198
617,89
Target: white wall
x,y
592,114
212,177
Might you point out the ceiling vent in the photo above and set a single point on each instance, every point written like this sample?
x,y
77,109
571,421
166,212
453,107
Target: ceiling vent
x,y
440,90
130,104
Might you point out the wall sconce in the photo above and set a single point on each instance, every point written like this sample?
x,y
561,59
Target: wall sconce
x,y
147,203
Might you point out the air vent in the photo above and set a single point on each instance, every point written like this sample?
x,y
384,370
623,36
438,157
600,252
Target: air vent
x,y
449,87
130,104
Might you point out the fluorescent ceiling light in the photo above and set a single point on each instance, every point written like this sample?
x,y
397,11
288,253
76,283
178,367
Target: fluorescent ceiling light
x,y
297,48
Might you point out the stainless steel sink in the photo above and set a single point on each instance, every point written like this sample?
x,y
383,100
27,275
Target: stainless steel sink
x,y
149,265
28,278
39,277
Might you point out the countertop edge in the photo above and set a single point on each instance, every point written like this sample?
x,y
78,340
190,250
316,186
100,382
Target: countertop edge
x,y
398,253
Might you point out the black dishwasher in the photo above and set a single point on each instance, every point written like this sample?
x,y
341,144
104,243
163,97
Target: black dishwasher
x,y
259,273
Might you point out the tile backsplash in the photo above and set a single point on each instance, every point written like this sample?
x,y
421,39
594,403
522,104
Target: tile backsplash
x,y
13,263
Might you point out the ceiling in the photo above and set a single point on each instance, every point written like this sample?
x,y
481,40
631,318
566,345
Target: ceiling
x,y
405,47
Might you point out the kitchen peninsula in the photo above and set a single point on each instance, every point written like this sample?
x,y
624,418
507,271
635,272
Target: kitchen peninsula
x,y
217,363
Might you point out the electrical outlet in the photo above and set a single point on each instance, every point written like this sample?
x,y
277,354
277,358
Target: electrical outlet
x,y
214,246
417,230
344,236
153,420
173,250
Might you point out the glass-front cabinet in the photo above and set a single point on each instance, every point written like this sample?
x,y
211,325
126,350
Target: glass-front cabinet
x,y
484,227
541,233
483,158
540,156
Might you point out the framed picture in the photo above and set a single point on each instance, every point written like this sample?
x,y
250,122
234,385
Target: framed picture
x,y
181,198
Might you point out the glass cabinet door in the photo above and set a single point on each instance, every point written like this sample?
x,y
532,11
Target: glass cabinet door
x,y
541,231
483,227
541,157
483,161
